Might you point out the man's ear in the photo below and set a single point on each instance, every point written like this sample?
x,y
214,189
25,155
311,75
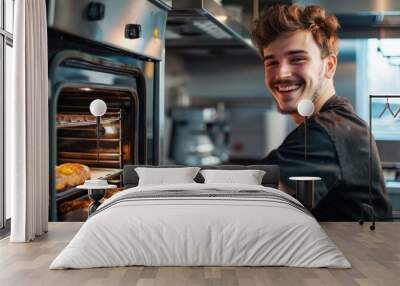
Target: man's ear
x,y
331,66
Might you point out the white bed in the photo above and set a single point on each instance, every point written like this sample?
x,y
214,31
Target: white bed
x,y
267,229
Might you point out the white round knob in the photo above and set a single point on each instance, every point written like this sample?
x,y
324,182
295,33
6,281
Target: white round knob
x,y
98,107
305,107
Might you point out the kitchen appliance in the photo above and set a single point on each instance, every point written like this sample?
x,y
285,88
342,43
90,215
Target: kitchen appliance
x,y
205,24
255,132
200,136
112,51
363,18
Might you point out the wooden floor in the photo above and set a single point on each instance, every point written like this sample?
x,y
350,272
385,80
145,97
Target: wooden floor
x,y
375,257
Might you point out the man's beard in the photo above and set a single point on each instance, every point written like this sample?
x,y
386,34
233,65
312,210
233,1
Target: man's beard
x,y
280,110
313,97
294,110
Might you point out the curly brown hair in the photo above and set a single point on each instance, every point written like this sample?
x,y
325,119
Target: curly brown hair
x,y
281,18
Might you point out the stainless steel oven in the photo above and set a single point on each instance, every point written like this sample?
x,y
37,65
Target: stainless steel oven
x,y
109,50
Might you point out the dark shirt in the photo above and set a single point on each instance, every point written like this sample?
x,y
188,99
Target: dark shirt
x,y
338,152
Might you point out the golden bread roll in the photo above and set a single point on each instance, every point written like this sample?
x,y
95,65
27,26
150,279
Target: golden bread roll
x,y
61,181
70,175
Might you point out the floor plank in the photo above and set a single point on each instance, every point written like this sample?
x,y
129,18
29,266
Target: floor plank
x,y
375,257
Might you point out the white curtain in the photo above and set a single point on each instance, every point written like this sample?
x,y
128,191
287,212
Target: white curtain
x,y
27,124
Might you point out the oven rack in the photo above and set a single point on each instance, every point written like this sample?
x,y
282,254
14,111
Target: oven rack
x,y
70,109
76,121
93,162
89,139
88,155
112,115
61,125
75,193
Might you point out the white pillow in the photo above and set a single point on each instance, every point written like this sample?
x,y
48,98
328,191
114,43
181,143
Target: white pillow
x,y
248,177
163,176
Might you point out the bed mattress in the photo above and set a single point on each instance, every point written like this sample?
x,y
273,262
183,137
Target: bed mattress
x,y
201,225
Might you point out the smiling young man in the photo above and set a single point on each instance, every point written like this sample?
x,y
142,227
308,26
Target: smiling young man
x,y
299,47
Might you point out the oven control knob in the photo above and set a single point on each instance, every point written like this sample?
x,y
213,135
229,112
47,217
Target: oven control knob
x,y
133,31
95,11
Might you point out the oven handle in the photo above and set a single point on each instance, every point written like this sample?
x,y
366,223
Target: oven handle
x,y
95,63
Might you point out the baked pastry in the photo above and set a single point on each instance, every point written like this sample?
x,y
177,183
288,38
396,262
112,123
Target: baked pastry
x,y
84,204
70,175
61,180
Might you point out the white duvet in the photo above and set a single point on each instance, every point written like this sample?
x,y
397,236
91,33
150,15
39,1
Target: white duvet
x,y
200,231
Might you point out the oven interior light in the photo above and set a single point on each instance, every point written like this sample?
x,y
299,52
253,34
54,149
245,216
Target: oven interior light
x,y
85,89
222,18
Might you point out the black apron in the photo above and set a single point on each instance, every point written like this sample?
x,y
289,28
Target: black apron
x,y
338,152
